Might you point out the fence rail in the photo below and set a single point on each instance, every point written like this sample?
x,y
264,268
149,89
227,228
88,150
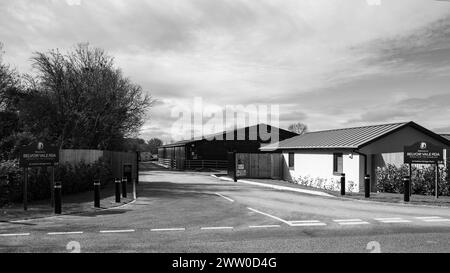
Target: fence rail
x,y
193,164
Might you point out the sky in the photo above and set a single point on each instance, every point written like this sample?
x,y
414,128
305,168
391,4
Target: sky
x,y
326,63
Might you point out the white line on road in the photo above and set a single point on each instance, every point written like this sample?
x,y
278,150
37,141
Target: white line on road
x,y
168,229
392,220
436,220
271,216
265,226
14,234
229,199
65,233
428,217
117,231
208,228
348,222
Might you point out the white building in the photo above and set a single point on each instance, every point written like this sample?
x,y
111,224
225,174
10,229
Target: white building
x,y
318,158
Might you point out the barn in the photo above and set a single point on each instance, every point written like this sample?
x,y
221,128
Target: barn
x,y
323,156
212,151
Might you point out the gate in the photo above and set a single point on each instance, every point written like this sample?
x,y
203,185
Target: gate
x,y
258,165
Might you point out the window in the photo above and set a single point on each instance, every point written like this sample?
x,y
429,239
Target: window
x,y
338,163
291,160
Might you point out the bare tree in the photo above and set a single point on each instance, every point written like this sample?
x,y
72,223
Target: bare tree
x,y
92,104
299,128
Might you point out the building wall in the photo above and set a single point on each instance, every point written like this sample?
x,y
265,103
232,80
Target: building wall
x,y
319,164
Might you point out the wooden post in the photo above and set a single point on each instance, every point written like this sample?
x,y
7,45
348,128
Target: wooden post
x,y
437,181
410,179
25,195
52,185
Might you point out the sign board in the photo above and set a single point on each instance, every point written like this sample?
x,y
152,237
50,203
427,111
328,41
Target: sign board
x,y
39,154
423,153
241,173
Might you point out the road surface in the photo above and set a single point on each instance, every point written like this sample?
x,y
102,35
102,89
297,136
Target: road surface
x,y
194,212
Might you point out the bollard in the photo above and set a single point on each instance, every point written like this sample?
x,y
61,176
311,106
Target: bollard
x,y
367,186
406,182
117,182
124,187
342,183
58,201
97,193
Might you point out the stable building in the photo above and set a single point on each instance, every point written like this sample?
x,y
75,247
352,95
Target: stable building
x,y
319,158
212,151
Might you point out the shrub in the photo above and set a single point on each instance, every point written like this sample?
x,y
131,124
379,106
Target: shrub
x,y
323,183
77,178
389,179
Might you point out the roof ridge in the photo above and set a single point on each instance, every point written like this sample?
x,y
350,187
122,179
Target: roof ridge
x,y
359,127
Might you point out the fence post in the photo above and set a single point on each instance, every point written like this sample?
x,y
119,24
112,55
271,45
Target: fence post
x,y
342,183
367,185
134,190
117,182
97,193
406,182
234,167
58,200
124,187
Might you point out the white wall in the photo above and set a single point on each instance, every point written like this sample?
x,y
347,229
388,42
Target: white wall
x,y
319,164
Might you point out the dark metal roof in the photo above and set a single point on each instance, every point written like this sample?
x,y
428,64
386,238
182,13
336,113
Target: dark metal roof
x,y
348,138
239,131
447,136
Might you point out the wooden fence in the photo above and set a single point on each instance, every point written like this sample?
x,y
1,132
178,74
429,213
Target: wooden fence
x,y
116,160
259,165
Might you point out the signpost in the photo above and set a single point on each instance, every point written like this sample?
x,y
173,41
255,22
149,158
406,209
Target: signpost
x,y
39,154
424,153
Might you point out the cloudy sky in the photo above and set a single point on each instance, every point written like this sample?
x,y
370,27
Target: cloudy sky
x,y
327,63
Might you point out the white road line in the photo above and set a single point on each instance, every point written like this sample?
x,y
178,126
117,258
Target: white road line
x,y
14,234
214,228
65,233
229,199
308,224
436,220
117,231
167,229
392,220
387,219
265,226
348,222
271,216
428,217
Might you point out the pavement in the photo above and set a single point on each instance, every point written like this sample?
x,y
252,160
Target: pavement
x,y
194,212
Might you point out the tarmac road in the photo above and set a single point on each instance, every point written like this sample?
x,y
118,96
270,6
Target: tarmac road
x,y
194,212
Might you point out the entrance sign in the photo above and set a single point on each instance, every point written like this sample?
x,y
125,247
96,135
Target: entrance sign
x,y
423,153
38,154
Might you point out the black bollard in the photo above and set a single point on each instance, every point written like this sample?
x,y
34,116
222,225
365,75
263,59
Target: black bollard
x,y
342,183
406,182
117,182
367,186
58,199
97,193
124,187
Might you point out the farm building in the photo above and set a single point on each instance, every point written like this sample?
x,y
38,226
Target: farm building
x,y
324,155
212,151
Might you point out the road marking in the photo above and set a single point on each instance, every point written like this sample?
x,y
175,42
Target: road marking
x,y
117,231
167,229
428,217
65,233
271,216
229,199
208,228
436,220
306,223
265,226
14,234
392,220
348,222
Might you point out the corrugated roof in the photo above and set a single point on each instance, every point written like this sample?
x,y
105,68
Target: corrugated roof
x,y
239,131
347,138
447,136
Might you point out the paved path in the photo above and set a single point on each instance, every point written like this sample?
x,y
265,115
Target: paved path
x,y
193,212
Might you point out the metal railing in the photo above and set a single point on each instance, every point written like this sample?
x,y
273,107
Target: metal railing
x,y
206,164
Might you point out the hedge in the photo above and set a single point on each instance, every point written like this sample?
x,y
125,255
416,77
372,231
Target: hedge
x,y
77,178
389,179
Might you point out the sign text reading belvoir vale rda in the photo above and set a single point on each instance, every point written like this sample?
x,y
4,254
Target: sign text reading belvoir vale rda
x,y
423,153
38,155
